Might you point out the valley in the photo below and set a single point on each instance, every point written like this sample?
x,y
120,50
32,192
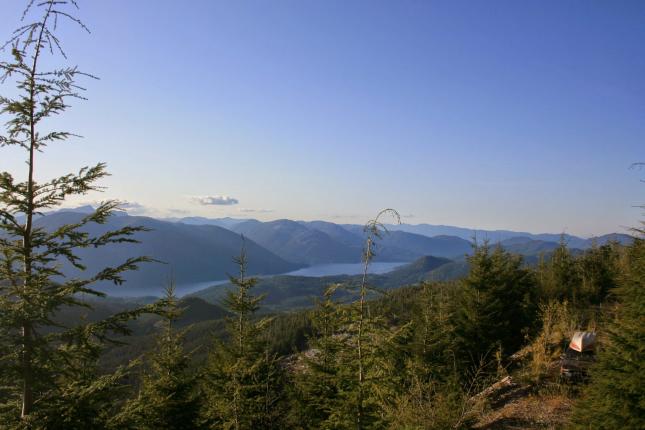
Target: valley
x,y
198,252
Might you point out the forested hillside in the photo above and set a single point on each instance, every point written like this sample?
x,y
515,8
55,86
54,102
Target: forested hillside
x,y
434,346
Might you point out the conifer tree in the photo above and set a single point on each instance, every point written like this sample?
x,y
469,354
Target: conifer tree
x,y
360,358
615,397
435,331
434,393
168,398
317,384
599,272
367,374
47,377
498,305
243,380
355,362
560,275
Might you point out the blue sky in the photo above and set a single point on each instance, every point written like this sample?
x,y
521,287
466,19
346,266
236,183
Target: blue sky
x,y
484,114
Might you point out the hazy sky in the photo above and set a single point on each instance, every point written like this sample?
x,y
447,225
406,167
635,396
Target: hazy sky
x,y
485,114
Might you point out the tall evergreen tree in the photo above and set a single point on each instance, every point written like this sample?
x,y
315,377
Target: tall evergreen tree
x,y
615,398
498,305
368,376
43,370
243,380
434,393
168,398
434,330
317,383
359,358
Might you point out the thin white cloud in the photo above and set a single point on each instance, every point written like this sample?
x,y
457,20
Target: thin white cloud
x,y
255,211
214,200
174,211
132,207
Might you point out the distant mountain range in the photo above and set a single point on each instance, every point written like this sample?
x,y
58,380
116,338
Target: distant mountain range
x,y
192,253
298,243
321,242
506,237
496,236
200,250
198,220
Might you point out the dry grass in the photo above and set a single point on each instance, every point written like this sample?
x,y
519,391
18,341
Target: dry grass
x,y
514,404
532,411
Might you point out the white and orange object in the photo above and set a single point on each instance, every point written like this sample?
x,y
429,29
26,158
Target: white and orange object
x,y
583,341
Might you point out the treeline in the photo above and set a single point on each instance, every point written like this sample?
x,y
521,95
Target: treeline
x,y
414,358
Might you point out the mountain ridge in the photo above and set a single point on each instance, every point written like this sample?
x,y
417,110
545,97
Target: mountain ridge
x,y
424,229
191,253
198,251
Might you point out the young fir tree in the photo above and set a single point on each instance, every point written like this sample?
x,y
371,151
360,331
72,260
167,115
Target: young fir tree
x,y
242,379
559,276
599,269
317,383
48,378
498,306
615,397
168,397
360,406
434,331
368,377
435,394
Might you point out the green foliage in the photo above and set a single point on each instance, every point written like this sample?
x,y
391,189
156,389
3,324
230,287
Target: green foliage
x,y
48,376
288,332
168,398
559,322
615,396
363,365
430,405
369,377
242,379
560,276
599,267
356,361
317,376
435,390
86,401
497,308
582,280
435,341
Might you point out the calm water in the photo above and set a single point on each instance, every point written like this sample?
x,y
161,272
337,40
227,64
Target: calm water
x,y
312,271
344,269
